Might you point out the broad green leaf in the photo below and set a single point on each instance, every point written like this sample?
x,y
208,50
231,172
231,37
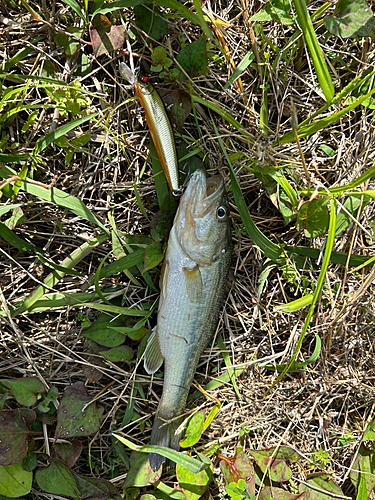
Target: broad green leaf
x,y
193,57
188,462
104,331
68,452
278,10
141,473
14,430
353,19
239,467
77,414
25,389
313,218
352,205
193,430
320,486
369,434
193,485
153,256
315,50
151,21
96,488
118,354
272,461
58,479
120,4
15,481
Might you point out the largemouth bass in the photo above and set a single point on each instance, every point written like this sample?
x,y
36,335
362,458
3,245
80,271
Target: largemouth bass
x,y
193,280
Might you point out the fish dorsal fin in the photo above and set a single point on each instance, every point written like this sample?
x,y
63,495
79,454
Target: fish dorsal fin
x,y
193,283
153,356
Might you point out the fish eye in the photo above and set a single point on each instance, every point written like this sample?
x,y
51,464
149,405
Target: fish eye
x,y
221,213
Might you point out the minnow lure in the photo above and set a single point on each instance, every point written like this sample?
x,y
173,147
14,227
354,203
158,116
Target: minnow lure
x,y
158,124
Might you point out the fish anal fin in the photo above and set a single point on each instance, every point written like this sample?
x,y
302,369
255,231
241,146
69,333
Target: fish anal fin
x,y
194,285
153,356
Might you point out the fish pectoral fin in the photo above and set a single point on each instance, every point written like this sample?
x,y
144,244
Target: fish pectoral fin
x,y
153,356
193,282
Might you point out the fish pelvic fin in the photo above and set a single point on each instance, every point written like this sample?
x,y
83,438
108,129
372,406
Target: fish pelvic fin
x,y
164,434
153,356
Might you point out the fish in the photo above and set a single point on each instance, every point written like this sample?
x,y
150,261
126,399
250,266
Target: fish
x,y
192,285
159,125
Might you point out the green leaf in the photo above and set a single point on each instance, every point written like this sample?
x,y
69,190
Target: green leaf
x,y
118,354
104,331
193,485
58,479
77,414
15,481
141,473
193,57
193,430
15,430
153,256
336,257
188,462
353,19
313,218
315,50
150,20
25,390
239,467
278,10
352,205
319,486
181,10
369,434
297,304
272,461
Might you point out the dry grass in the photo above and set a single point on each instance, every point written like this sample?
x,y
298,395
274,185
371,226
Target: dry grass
x,y
309,411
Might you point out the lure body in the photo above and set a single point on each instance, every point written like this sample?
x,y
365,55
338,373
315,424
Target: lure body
x,y
160,130
194,277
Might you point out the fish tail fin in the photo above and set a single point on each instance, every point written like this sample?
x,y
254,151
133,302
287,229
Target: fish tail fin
x,y
163,434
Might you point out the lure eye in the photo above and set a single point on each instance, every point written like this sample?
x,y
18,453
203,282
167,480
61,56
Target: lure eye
x,y
221,213
144,79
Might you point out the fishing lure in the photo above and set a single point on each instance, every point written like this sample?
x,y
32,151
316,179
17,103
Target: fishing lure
x,y
158,124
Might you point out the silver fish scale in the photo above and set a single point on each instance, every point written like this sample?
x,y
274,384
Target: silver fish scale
x,y
156,110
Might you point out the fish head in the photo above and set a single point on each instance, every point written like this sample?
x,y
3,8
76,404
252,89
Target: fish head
x,y
203,224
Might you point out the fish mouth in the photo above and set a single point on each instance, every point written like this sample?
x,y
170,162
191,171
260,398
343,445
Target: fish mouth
x,y
202,195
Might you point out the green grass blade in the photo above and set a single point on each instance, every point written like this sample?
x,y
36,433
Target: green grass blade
x,y
315,50
296,305
161,184
44,142
217,382
186,461
13,158
57,197
270,249
10,237
316,294
62,300
55,276
224,114
120,265
323,122
336,257
77,9
243,64
120,4
228,364
297,367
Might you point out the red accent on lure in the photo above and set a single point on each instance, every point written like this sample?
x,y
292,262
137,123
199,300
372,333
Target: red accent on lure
x,y
144,79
